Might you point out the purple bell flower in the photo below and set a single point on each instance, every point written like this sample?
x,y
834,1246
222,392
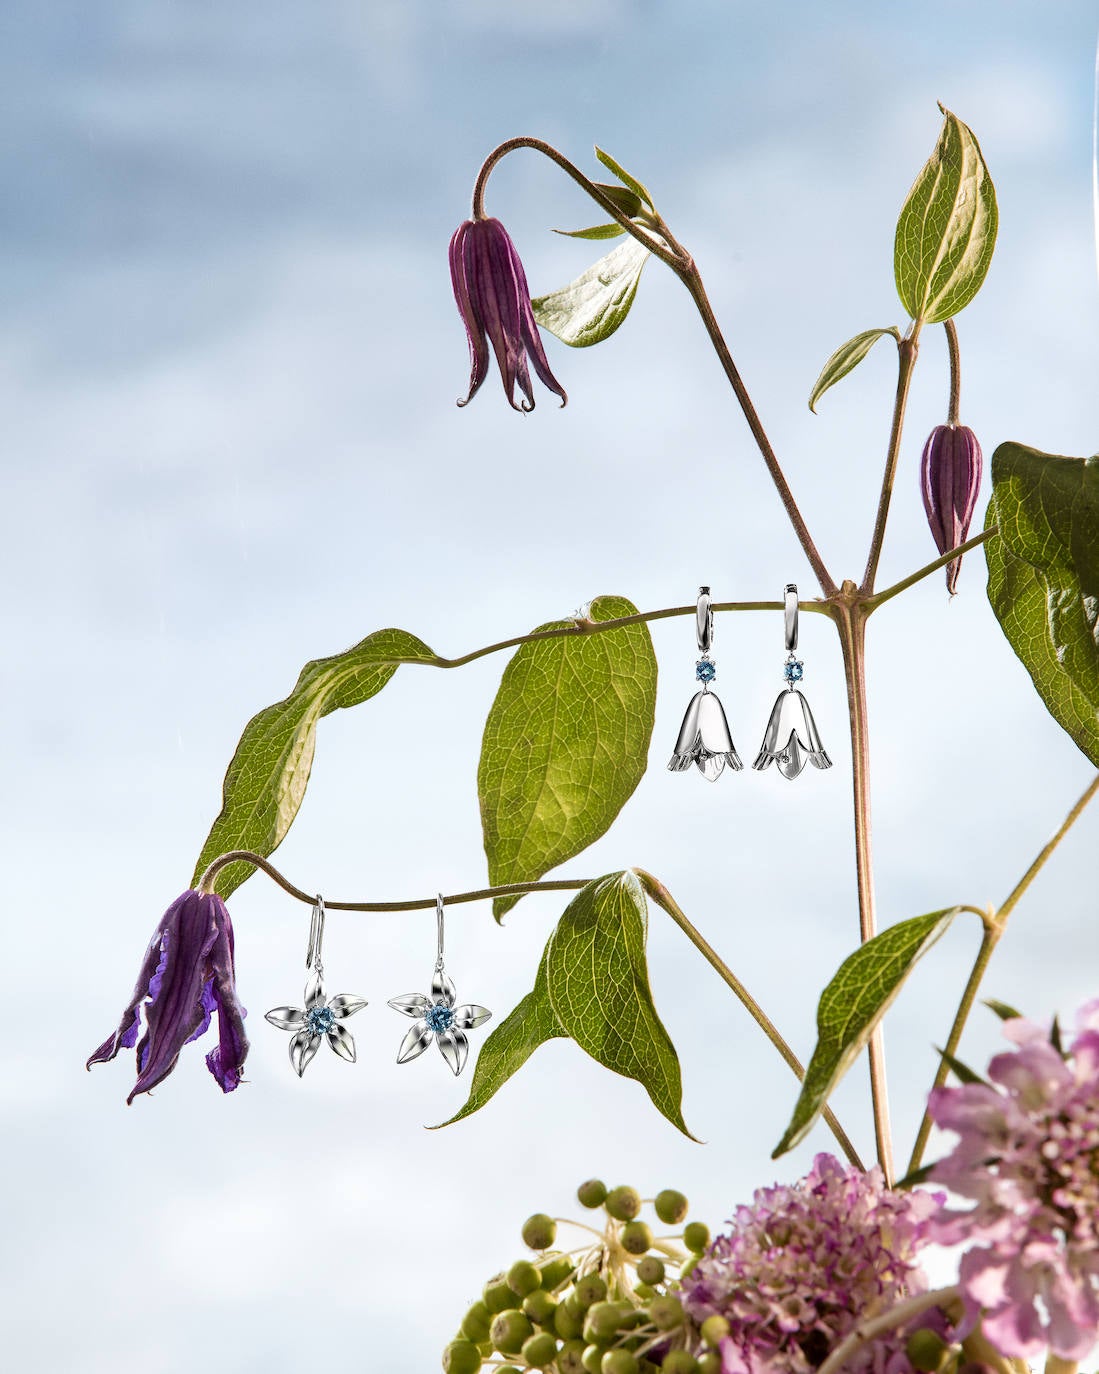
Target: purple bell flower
x,y
187,975
950,476
490,287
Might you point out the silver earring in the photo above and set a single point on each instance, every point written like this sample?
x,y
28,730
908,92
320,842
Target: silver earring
x,y
319,1018
436,1017
704,737
791,739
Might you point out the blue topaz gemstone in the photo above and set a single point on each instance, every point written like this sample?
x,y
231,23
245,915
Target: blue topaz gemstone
x,y
439,1018
320,1019
793,670
705,670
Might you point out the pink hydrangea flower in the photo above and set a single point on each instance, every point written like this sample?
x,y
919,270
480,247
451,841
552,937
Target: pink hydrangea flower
x,y
805,1262
1028,1156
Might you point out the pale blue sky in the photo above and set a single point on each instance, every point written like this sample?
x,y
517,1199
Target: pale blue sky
x,y
230,364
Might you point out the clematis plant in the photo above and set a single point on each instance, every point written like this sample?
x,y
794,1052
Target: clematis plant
x,y
829,1272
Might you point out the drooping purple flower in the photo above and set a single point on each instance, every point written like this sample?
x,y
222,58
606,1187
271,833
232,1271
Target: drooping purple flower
x,y
490,287
186,976
1028,1156
805,1263
950,477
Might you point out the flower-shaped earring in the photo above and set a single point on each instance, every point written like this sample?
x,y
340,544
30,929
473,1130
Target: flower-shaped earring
x,y
704,737
437,1018
319,1018
791,738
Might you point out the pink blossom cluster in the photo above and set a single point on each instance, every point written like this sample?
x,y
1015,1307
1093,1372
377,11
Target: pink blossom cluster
x,y
1028,1156
804,1263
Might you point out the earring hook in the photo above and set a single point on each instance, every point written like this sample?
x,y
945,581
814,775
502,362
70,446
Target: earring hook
x,y
791,617
439,931
704,620
316,935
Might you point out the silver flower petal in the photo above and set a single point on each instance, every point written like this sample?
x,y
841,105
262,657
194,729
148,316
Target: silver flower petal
x,y
704,738
343,1004
286,1018
442,989
314,991
410,1003
469,1016
415,1042
454,1048
302,1049
791,739
341,1040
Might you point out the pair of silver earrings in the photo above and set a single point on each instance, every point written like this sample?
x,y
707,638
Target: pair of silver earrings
x,y
790,740
435,1018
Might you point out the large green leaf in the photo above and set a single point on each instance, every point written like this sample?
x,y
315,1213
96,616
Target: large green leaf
x,y
565,744
863,989
598,981
1043,579
591,308
947,228
268,773
846,357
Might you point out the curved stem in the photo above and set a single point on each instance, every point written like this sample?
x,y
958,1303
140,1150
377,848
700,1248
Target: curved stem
x,y
1032,872
663,898
880,598
907,351
888,1321
955,372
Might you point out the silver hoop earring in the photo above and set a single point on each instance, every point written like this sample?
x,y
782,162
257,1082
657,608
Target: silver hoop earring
x,y
791,739
704,737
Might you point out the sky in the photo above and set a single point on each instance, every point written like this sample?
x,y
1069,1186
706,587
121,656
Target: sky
x,y
230,360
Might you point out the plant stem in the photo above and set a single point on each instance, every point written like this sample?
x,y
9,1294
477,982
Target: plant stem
x,y
880,598
886,1321
955,372
907,351
663,898
1009,905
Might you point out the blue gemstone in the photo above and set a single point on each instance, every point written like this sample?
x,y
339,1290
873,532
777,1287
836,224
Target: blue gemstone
x,y
794,670
320,1019
705,670
439,1017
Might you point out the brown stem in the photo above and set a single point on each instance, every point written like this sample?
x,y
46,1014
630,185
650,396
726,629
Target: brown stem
x,y
907,351
880,598
955,372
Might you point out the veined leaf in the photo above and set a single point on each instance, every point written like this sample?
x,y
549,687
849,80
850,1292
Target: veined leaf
x,y
624,177
863,989
845,359
611,230
598,981
947,228
591,308
565,744
1043,579
268,773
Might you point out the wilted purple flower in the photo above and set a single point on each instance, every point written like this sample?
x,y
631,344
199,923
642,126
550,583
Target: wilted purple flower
x,y
805,1263
187,975
1028,1155
950,476
490,287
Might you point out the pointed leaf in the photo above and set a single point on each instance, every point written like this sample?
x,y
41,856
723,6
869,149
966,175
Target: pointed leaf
x,y
844,359
598,981
1043,579
612,230
591,308
628,202
1002,1009
268,773
624,177
947,228
852,1004
565,744
961,1071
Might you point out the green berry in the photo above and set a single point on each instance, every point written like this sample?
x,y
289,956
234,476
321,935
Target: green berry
x,y
644,1290
651,1269
539,1231
925,1349
688,1265
714,1329
539,1350
509,1331
696,1236
498,1296
567,1322
540,1307
592,1358
619,1362
461,1357
570,1358
677,1362
476,1322
591,1288
524,1278
670,1206
593,1193
507,1369
603,1321
636,1237
666,1313
710,1363
623,1203
555,1272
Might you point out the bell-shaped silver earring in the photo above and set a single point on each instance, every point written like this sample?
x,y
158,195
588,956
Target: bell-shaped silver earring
x,y
791,739
704,737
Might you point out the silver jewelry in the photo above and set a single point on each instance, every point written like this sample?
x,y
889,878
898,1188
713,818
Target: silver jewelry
x,y
437,1018
704,737
318,1019
791,739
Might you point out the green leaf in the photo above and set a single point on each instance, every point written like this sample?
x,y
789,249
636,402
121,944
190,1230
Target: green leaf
x,y
947,228
598,981
591,308
962,1072
624,177
511,1044
612,230
1002,1009
268,773
845,359
627,201
1043,579
565,744
863,989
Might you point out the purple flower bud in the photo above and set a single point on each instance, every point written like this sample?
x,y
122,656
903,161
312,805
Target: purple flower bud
x,y
490,287
950,476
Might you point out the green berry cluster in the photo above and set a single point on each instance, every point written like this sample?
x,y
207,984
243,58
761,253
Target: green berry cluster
x,y
604,1308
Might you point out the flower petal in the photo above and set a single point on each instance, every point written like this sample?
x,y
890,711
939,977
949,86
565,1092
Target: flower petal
x,y
410,1003
302,1049
341,1040
344,1004
286,1018
442,988
454,1048
469,1016
415,1042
